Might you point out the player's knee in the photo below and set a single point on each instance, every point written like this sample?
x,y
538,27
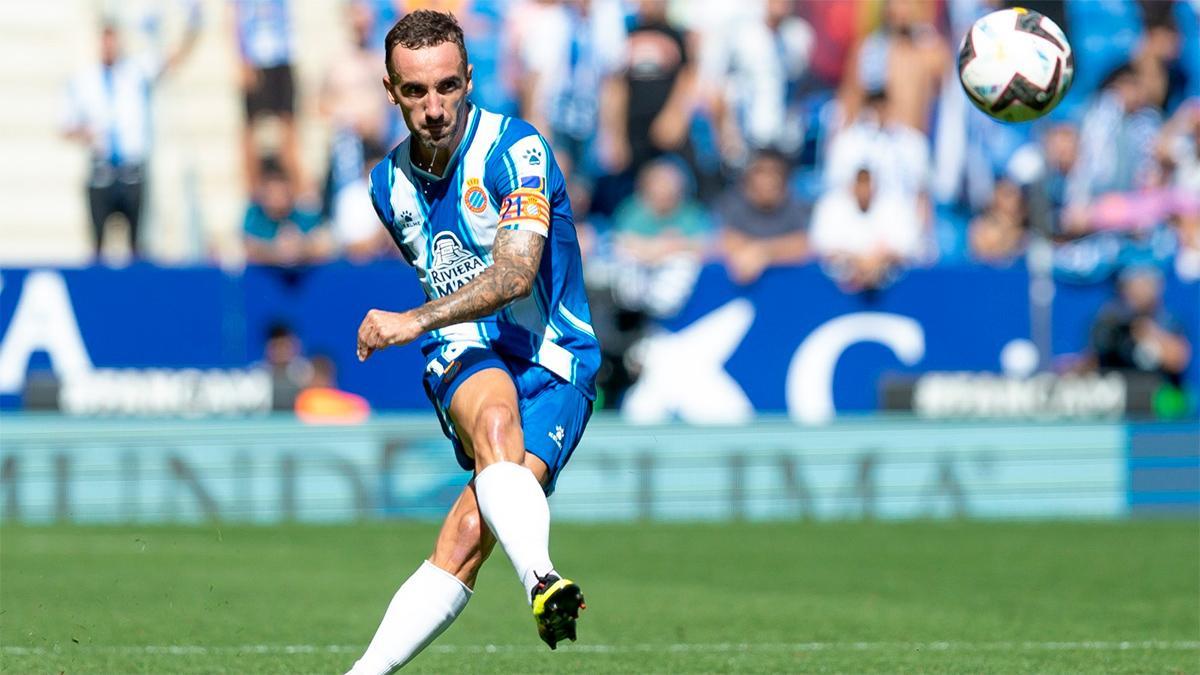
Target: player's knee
x,y
494,431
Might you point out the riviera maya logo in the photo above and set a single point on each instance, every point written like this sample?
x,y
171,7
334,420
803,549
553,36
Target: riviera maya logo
x,y
453,265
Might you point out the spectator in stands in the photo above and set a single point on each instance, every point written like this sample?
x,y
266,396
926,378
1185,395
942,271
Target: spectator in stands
x,y
758,104
108,110
896,153
569,55
1042,169
1157,60
279,232
648,112
353,102
1178,151
1116,145
357,232
659,234
1186,225
321,402
268,85
864,234
836,27
1136,333
283,357
905,58
761,222
1178,148
997,236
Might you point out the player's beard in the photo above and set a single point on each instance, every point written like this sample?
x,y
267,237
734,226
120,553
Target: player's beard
x,y
445,142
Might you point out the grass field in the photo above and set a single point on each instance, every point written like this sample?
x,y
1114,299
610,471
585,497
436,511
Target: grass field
x,y
854,597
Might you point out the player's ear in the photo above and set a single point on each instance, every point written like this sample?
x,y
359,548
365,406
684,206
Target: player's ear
x,y
470,78
387,86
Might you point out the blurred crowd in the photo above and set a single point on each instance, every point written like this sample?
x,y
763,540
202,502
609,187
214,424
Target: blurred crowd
x,y
754,133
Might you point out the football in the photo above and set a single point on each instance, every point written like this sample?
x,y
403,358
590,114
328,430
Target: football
x,y
1015,64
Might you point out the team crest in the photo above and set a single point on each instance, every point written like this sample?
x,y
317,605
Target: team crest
x,y
475,198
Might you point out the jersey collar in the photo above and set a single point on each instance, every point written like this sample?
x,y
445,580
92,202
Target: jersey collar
x,y
465,141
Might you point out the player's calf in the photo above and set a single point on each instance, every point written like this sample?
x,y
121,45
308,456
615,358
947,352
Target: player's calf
x,y
464,543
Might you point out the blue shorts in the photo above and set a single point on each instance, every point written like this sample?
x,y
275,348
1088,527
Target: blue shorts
x,y
553,412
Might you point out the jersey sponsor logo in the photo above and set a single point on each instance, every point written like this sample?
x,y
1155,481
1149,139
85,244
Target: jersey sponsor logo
x,y
475,198
453,266
407,219
532,157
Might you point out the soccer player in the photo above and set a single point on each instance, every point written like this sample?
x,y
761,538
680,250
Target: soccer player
x,y
478,206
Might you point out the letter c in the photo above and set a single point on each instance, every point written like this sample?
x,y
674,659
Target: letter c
x,y
809,386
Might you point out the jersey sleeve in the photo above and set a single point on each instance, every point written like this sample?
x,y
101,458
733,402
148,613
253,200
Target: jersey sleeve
x,y
378,185
519,177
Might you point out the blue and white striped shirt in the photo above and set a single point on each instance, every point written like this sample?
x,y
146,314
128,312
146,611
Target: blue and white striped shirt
x,y
502,176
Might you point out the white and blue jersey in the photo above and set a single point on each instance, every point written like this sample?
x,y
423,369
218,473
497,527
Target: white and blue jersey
x,y
502,176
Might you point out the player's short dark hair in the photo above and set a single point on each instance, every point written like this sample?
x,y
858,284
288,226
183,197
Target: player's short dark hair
x,y
424,28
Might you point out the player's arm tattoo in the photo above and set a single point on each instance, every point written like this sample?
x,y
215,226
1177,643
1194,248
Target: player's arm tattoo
x,y
516,256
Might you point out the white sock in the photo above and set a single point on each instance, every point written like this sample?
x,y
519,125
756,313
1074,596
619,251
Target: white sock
x,y
426,604
515,508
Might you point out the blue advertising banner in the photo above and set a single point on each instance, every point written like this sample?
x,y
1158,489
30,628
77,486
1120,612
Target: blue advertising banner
x,y
142,316
792,342
277,469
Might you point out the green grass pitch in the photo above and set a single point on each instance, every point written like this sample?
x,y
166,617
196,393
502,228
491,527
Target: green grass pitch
x,y
782,597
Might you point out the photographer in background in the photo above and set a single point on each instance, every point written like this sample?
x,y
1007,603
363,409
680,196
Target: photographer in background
x,y
1136,333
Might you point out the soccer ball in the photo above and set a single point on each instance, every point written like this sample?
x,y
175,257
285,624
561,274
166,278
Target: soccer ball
x,y
1015,64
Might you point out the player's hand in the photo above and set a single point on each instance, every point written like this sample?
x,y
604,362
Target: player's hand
x,y
380,329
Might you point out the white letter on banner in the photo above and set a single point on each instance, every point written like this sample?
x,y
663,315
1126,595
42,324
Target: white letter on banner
x,y
44,320
810,375
684,373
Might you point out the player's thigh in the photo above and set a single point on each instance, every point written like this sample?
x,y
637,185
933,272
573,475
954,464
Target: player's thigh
x,y
487,418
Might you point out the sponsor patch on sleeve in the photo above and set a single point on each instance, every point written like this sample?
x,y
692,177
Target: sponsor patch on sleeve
x,y
535,182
